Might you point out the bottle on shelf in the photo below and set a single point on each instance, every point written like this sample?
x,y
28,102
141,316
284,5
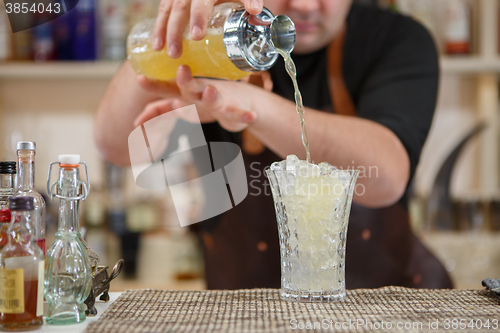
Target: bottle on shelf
x,y
113,29
68,274
235,45
26,188
21,271
84,44
22,45
43,42
457,27
64,30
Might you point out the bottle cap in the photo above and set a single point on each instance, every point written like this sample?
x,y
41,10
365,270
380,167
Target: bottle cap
x,y
26,145
250,47
69,159
22,204
5,215
8,167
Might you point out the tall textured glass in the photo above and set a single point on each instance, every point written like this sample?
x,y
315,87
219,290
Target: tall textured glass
x,y
68,272
312,205
26,188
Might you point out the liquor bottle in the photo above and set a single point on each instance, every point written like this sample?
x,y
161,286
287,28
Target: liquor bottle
x,y
7,174
64,30
68,274
457,27
84,44
22,39
21,271
26,188
234,45
44,47
114,29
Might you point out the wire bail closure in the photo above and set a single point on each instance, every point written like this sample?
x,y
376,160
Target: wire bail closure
x,y
85,187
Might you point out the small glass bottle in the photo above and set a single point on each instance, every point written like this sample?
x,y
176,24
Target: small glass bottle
x,y
26,188
234,46
21,271
68,274
7,178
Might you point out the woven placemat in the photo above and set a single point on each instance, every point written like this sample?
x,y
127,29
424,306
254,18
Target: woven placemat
x,y
262,310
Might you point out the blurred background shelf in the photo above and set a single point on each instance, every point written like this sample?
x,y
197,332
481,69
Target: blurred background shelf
x,y
469,65
59,70
106,69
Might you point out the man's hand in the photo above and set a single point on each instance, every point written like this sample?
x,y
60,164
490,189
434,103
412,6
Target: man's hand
x,y
227,102
173,16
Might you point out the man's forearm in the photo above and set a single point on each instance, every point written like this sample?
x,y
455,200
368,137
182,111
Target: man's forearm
x,y
123,100
345,142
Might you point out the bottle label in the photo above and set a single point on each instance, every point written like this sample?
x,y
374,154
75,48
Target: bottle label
x,y
39,299
11,290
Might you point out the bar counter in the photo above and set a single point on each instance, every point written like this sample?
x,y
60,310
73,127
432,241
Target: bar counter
x,y
262,310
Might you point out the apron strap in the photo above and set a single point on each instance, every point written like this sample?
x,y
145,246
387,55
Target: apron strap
x,y
339,94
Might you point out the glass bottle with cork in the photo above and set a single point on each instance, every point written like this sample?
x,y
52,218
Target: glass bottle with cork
x,y
21,271
236,44
7,178
26,188
68,275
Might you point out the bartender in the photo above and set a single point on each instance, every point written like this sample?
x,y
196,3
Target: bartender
x,y
369,81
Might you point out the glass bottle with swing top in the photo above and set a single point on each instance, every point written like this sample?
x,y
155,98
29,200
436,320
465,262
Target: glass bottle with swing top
x,y
68,272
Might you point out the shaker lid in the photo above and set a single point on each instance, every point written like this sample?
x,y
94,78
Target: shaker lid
x,y
283,33
8,167
22,204
249,47
26,145
69,159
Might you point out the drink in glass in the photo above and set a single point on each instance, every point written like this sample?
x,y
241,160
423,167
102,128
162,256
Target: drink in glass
x,y
312,205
